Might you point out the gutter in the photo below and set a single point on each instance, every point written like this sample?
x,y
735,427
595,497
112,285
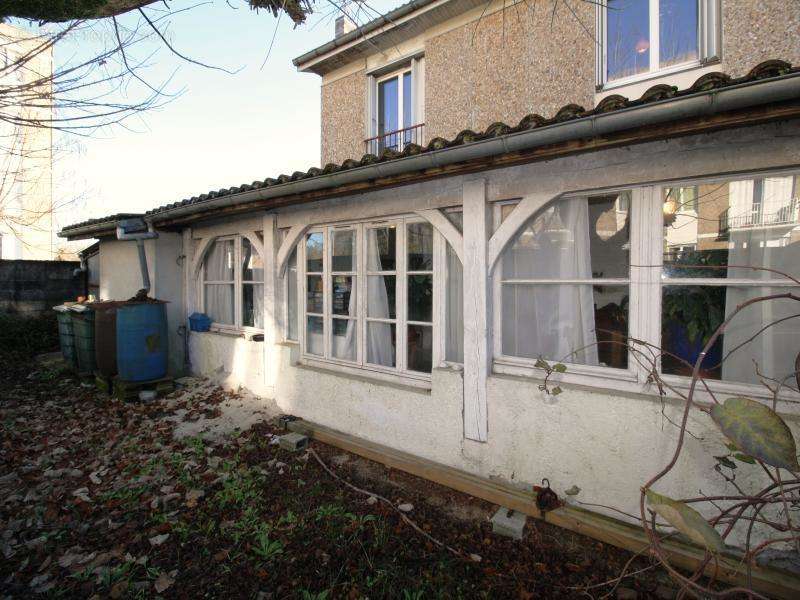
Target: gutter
x,y
700,104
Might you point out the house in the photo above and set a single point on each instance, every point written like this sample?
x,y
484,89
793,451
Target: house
x,y
27,224
498,189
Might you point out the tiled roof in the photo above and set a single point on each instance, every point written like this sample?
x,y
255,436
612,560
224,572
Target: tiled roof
x,y
569,112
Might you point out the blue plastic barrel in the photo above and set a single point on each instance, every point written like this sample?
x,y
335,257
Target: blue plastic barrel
x,y
142,341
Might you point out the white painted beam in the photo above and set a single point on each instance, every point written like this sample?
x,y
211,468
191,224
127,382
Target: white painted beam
x,y
285,251
453,236
476,310
271,302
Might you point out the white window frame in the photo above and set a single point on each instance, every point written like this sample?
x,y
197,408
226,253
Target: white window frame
x,y
708,44
238,287
646,285
400,372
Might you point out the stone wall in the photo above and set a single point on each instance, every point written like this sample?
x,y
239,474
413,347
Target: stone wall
x,y
34,286
343,105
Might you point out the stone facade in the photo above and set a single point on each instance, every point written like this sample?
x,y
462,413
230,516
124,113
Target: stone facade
x,y
343,108
503,65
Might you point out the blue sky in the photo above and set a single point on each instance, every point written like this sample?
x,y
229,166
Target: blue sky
x,y
224,130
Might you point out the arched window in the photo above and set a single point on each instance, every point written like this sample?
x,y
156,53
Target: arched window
x,y
232,282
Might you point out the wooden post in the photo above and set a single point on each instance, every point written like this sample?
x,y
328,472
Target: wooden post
x,y
271,302
476,310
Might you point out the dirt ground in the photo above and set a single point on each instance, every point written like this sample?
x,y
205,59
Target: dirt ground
x,y
99,499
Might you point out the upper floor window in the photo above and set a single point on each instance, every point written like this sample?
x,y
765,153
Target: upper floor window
x,y
396,109
645,37
233,284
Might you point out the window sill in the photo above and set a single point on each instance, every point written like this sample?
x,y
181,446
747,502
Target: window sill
x,y
650,75
404,382
247,334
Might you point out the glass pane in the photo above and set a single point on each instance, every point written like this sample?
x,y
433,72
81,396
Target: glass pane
x,y
420,297
456,217
579,324
454,316
627,38
420,348
219,261
253,305
381,249
291,296
314,294
577,238
690,315
726,229
344,249
314,252
381,296
218,302
252,265
388,112
420,247
344,339
408,101
315,338
344,295
678,33
381,343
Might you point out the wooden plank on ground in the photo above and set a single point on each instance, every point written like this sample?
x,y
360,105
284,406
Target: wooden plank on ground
x,y
769,581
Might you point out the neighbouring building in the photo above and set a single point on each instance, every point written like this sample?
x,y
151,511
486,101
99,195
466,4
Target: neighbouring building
x,y
500,188
27,225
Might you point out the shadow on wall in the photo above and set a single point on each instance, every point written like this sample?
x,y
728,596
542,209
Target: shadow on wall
x,y
31,287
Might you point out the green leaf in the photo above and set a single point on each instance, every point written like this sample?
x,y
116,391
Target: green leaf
x,y
686,520
744,458
556,391
559,368
732,447
726,462
542,364
757,431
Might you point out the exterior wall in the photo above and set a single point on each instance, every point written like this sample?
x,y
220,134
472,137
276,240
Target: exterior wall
x,y
120,279
233,361
32,286
343,127
27,227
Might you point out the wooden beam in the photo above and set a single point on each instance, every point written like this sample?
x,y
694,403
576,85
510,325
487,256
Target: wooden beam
x,y
769,581
453,236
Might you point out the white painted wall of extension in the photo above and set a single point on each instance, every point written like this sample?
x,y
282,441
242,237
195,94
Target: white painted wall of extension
x,y
606,440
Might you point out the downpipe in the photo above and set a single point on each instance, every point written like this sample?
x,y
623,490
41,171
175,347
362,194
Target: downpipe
x,y
139,237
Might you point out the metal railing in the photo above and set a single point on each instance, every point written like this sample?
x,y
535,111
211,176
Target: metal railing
x,y
786,215
395,140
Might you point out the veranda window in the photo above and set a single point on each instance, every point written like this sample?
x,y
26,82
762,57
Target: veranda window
x,y
369,295
233,284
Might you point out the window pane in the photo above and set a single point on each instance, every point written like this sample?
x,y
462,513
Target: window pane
x,y
420,247
678,33
408,102
690,314
315,339
420,348
252,265
218,303
344,295
577,238
580,324
381,343
314,248
253,305
381,249
732,227
291,296
381,296
420,297
219,261
314,294
387,112
344,249
454,298
627,38
344,339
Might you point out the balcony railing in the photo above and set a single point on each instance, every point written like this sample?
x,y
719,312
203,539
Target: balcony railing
x,y
786,215
395,140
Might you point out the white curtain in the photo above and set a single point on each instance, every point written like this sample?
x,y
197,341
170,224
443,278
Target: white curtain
x,y
762,242
344,346
380,350
219,265
554,321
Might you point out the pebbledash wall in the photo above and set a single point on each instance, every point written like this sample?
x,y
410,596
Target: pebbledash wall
x,y
491,64
607,442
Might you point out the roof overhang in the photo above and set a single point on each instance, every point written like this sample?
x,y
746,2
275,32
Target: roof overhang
x,y
381,34
740,104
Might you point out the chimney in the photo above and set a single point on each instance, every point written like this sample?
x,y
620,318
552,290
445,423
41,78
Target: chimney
x,y
344,24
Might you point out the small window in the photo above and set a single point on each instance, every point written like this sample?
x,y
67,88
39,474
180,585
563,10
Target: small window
x,y
642,37
395,108
233,284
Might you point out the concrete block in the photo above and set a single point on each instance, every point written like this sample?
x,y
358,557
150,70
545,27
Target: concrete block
x,y
509,523
293,442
